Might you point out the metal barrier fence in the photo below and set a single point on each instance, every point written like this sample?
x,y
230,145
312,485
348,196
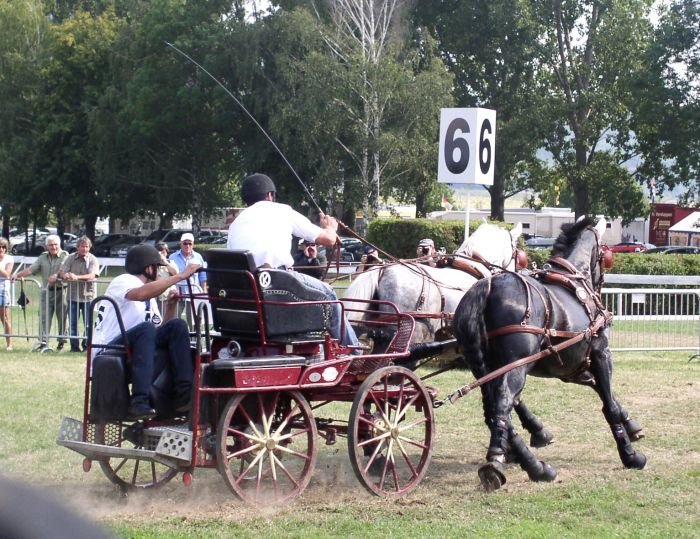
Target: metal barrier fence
x,y
643,318
43,315
653,318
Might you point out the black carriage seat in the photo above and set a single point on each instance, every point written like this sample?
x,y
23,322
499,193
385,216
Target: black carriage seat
x,y
236,285
109,393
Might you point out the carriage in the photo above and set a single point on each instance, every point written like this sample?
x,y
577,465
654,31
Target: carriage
x,y
269,366
265,370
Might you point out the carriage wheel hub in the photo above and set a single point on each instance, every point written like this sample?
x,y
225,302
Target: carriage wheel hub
x,y
270,444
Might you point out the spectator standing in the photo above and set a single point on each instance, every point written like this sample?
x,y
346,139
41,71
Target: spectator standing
x,y
266,228
187,255
134,293
53,291
369,259
6,265
307,259
79,270
426,252
166,269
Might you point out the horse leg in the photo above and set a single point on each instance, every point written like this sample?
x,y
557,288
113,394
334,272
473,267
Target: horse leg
x,y
601,365
539,435
492,474
536,469
634,430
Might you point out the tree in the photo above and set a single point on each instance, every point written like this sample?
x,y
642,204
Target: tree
x,y
595,51
348,98
491,48
74,76
165,143
22,44
668,96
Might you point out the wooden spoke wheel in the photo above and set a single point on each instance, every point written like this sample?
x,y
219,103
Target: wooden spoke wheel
x,y
391,431
130,473
266,445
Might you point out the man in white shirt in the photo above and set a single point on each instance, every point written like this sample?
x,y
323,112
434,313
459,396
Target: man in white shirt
x,y
135,294
266,228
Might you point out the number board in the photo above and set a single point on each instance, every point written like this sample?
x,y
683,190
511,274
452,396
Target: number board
x,y
467,146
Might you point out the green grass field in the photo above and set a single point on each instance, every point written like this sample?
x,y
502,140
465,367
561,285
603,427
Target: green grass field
x,y
593,495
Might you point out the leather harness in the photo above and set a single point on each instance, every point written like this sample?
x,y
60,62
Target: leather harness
x,y
581,287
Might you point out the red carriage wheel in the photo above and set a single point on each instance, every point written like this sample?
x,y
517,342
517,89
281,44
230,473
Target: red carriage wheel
x,y
391,431
266,445
130,473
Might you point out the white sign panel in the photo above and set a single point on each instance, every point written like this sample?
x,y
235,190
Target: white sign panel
x,y
467,146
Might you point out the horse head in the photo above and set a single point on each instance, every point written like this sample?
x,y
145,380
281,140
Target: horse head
x,y
579,244
493,244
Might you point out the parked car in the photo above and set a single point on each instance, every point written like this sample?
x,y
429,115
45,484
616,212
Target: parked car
x,y
674,250
210,235
19,247
351,249
105,242
540,242
155,236
631,247
119,249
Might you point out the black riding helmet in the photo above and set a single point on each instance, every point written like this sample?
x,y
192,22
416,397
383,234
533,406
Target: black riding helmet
x,y
139,257
255,187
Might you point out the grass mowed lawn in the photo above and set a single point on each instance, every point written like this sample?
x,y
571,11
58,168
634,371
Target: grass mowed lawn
x,y
593,495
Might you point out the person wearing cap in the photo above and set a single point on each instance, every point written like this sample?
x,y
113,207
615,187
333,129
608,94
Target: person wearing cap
x,y
426,252
186,255
308,260
135,293
265,228
369,259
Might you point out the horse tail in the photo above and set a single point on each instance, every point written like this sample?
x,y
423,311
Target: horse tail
x,y
363,287
469,326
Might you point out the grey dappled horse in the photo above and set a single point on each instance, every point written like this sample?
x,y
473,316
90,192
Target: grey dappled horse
x,y
417,288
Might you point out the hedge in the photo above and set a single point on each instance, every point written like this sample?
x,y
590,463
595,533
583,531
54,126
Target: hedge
x,y
400,237
638,263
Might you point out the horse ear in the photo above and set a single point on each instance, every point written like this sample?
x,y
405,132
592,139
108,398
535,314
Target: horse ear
x,y
516,231
601,226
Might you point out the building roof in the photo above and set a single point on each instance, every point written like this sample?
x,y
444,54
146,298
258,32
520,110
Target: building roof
x,y
691,223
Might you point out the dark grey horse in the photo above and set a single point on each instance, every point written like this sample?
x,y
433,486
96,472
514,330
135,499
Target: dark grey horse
x,y
513,317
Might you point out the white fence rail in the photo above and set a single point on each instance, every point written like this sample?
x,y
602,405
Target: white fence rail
x,y
644,318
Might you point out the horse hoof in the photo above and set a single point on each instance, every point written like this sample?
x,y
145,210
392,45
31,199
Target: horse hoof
x,y
637,461
548,474
491,476
541,438
634,430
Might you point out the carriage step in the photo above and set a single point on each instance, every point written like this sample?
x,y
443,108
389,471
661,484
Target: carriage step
x,y
164,444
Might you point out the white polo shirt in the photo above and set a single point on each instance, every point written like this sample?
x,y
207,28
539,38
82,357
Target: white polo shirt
x,y
133,312
266,229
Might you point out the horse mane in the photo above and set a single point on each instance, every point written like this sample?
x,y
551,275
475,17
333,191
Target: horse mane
x,y
569,234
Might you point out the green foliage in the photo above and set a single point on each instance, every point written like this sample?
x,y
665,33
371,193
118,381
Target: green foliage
x,y
637,263
400,237
656,264
491,49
